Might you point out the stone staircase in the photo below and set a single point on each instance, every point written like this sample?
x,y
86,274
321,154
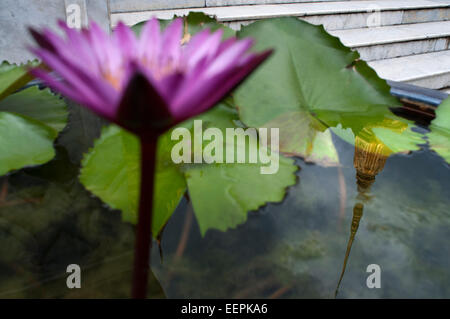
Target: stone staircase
x,y
403,40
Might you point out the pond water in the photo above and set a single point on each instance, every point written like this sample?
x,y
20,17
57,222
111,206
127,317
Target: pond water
x,y
293,249
296,249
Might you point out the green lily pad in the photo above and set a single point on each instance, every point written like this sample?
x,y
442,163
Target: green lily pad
x,y
13,77
439,137
221,194
30,121
23,142
111,171
41,105
399,142
198,21
394,133
311,82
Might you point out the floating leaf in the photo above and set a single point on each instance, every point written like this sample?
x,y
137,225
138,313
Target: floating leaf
x,y
395,134
111,170
399,142
312,82
13,77
198,21
41,105
23,142
30,122
302,135
439,137
221,194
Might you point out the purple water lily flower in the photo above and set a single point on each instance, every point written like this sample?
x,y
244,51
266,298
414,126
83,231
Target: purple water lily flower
x,y
145,85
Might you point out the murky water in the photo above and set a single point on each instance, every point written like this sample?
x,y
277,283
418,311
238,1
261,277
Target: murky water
x,y
294,249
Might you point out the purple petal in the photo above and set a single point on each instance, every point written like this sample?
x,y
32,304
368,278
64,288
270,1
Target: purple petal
x,y
150,41
70,53
107,54
72,93
98,39
170,84
196,41
191,81
41,40
126,40
79,45
197,49
229,57
207,93
226,44
92,88
171,48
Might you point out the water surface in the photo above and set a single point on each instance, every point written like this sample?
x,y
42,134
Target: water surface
x,y
293,249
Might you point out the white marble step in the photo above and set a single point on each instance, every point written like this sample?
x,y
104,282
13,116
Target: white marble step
x,y
396,41
333,15
143,5
219,3
431,70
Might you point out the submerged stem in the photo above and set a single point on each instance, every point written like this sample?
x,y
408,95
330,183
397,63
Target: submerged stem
x,y
144,225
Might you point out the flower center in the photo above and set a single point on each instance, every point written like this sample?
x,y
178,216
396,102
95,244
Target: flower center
x,y
112,78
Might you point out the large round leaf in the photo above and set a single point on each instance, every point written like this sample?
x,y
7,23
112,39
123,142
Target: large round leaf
x,y
221,194
111,170
23,142
311,82
197,21
13,77
40,105
31,121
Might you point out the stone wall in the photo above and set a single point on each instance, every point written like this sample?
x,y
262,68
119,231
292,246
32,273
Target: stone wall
x,y
17,15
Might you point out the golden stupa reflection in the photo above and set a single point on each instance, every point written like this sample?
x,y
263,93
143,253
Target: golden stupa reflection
x,y
369,159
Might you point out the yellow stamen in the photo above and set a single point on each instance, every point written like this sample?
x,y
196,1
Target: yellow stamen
x,y
112,79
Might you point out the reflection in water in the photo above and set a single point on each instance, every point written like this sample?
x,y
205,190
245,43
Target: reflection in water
x,y
357,214
369,159
295,249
